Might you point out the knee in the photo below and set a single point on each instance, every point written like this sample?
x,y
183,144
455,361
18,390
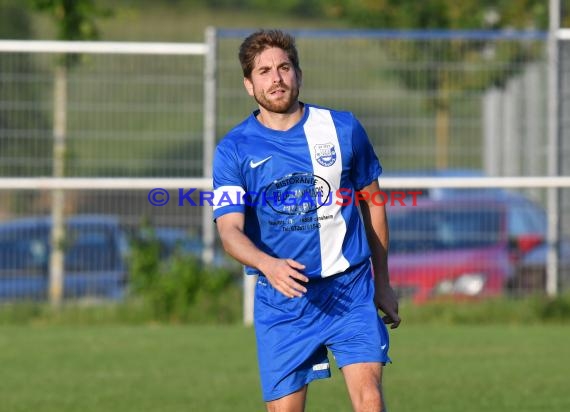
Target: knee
x,y
369,399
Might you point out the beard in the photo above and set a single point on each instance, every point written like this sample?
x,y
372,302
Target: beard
x,y
280,105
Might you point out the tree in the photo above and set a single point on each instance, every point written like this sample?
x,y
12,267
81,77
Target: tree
x,y
20,138
449,14
443,14
75,20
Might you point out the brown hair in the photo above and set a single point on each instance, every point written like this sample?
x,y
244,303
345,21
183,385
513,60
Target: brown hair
x,y
257,42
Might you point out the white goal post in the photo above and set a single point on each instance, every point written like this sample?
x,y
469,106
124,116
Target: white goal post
x,y
118,183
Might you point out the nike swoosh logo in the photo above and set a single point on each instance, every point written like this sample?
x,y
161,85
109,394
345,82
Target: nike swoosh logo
x,y
253,164
383,347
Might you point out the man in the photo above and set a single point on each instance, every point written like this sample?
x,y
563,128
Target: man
x,y
293,185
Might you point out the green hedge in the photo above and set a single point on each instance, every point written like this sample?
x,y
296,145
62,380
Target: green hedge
x,y
181,288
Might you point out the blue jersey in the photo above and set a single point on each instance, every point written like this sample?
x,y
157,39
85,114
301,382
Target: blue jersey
x,y
297,188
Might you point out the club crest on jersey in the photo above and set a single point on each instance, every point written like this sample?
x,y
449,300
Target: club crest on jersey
x,y
325,154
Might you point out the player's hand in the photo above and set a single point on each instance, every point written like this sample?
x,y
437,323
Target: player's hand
x,y
386,300
285,276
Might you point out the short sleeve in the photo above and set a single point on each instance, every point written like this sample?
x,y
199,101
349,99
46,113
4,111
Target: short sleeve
x,y
365,164
228,184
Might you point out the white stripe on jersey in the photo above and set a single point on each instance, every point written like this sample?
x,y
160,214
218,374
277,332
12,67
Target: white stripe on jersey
x,y
320,129
228,196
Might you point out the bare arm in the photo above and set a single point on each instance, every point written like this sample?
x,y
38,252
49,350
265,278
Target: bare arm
x,y
283,274
377,233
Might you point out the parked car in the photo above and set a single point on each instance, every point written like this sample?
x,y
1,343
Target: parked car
x,y
444,193
449,248
95,248
526,220
176,240
531,269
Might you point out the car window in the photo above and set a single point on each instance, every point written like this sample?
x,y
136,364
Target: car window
x,y
415,231
537,219
24,248
173,240
91,249
525,219
188,245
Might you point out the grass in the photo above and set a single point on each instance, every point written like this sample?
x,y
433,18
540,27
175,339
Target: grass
x,y
179,22
213,368
227,308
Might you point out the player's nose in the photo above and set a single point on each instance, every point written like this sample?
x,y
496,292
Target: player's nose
x,y
276,76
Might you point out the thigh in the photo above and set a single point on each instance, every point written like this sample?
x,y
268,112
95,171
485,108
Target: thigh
x,y
363,374
294,402
364,384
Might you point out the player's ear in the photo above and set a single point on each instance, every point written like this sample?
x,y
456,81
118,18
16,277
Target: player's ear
x,y
299,77
248,85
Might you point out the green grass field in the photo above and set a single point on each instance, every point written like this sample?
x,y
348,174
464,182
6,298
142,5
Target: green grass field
x,y
213,368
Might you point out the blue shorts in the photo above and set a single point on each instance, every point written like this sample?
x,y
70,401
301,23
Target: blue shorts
x,y
293,334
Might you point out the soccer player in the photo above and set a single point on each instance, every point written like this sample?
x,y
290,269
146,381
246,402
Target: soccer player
x,y
321,261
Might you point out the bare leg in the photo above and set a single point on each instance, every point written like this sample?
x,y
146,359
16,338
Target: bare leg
x,y
294,402
364,383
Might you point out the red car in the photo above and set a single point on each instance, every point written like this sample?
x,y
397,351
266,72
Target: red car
x,y
449,248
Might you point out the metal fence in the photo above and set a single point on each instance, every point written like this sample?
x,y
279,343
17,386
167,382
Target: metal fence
x,y
563,125
428,99
432,103
128,109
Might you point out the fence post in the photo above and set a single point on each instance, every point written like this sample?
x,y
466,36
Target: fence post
x,y
553,205
57,256
511,129
208,229
532,118
492,115
249,282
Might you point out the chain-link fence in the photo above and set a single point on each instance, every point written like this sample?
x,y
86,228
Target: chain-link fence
x,y
428,99
123,114
435,104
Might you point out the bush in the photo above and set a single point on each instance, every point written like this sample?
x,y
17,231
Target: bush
x,y
181,288
556,309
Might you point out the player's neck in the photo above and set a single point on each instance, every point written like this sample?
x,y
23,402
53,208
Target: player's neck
x,y
281,121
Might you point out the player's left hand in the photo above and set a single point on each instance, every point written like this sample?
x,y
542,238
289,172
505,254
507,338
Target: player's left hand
x,y
386,300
